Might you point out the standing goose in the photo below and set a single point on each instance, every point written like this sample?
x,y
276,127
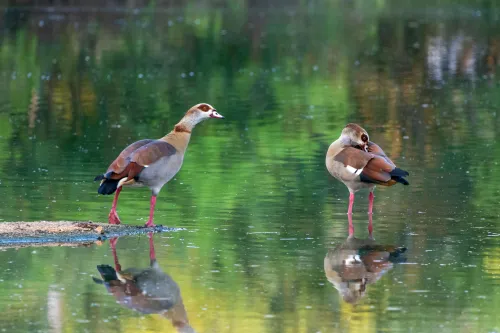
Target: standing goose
x,y
359,163
152,163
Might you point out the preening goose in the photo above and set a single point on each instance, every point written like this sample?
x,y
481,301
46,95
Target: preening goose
x,y
359,163
152,163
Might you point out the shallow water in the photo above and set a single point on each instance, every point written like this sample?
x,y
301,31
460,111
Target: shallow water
x,y
259,212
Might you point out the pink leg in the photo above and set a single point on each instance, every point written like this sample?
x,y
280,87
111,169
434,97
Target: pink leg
x,y
152,255
151,212
113,242
370,203
113,215
370,226
351,203
351,226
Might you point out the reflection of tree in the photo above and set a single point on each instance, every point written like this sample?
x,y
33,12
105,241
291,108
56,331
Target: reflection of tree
x,y
98,84
289,79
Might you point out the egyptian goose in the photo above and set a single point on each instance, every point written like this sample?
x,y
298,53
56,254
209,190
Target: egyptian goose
x,y
147,290
351,266
359,163
152,163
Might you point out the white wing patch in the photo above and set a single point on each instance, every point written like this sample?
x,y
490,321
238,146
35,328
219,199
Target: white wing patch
x,y
352,259
120,183
357,172
120,277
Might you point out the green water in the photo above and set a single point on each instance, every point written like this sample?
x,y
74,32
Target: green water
x,y
257,209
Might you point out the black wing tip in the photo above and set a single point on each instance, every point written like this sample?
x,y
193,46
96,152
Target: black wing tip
x,y
398,179
98,281
99,177
397,256
401,180
106,175
108,186
107,272
397,172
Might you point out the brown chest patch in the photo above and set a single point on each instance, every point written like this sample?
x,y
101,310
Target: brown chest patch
x,y
181,129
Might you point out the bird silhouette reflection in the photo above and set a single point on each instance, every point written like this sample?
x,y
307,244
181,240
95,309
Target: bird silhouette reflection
x,y
356,263
146,290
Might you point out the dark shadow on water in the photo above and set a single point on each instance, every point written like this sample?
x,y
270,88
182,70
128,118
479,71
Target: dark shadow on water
x,y
353,265
146,290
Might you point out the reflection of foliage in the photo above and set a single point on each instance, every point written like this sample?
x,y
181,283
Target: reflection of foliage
x,y
286,83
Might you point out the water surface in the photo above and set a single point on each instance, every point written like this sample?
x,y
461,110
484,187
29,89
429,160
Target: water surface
x,y
260,212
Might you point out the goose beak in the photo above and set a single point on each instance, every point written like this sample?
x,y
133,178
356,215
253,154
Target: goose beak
x,y
215,114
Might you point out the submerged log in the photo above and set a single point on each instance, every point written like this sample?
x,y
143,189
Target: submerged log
x,y
66,233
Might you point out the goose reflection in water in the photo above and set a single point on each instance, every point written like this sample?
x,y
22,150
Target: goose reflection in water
x,y
356,263
146,290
